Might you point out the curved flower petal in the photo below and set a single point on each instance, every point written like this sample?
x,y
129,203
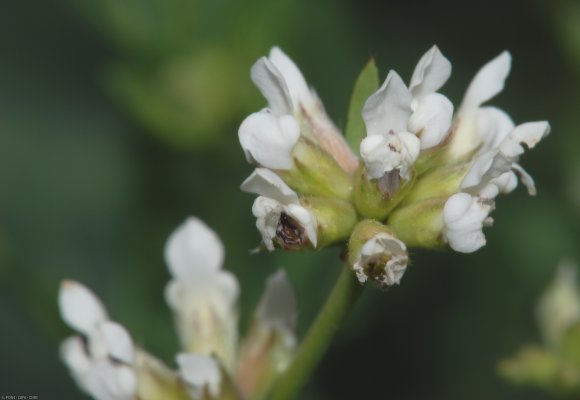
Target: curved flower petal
x,y
193,249
389,108
306,221
488,82
80,308
273,86
486,167
118,341
266,183
200,373
431,119
526,179
268,139
529,133
297,86
73,353
464,216
430,74
493,126
278,308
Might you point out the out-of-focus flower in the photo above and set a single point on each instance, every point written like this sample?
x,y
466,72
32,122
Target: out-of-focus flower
x,y
107,365
202,296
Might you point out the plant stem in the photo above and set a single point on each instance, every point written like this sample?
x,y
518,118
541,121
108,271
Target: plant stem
x,y
340,301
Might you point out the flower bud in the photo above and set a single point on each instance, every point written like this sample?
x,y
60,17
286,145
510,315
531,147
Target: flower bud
x,y
375,254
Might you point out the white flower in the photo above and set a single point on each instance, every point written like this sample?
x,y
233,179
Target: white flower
x,y
477,126
383,258
432,112
202,295
388,145
464,217
269,136
277,310
271,340
278,211
493,171
101,366
201,374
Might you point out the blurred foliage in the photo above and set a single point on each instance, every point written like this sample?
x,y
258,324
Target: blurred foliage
x,y
88,194
554,366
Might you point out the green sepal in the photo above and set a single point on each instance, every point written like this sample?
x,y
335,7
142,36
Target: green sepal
x,y
420,224
366,84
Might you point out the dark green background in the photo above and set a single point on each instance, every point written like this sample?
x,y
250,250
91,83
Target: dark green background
x,y
99,162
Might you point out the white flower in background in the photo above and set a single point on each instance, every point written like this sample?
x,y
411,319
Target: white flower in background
x,y
280,217
388,145
268,137
201,374
559,307
101,364
202,295
271,342
383,258
432,112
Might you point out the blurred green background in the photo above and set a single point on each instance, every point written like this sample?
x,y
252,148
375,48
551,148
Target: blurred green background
x,y
118,118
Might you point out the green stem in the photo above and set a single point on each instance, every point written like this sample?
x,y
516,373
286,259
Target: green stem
x,y
343,296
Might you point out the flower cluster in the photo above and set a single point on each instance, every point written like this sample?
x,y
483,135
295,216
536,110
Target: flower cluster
x,y
107,364
426,176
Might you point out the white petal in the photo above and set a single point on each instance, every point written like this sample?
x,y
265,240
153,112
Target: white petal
x,y
505,183
493,126
193,249
268,139
529,133
266,183
306,221
73,353
273,86
389,108
118,341
430,74
526,179
199,372
485,167
464,217
267,212
297,86
488,82
431,119
278,307
107,381
79,307
386,152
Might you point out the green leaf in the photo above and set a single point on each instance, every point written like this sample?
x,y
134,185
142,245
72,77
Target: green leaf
x,y
366,84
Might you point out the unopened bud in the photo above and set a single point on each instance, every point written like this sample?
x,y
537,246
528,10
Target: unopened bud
x,y
375,254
